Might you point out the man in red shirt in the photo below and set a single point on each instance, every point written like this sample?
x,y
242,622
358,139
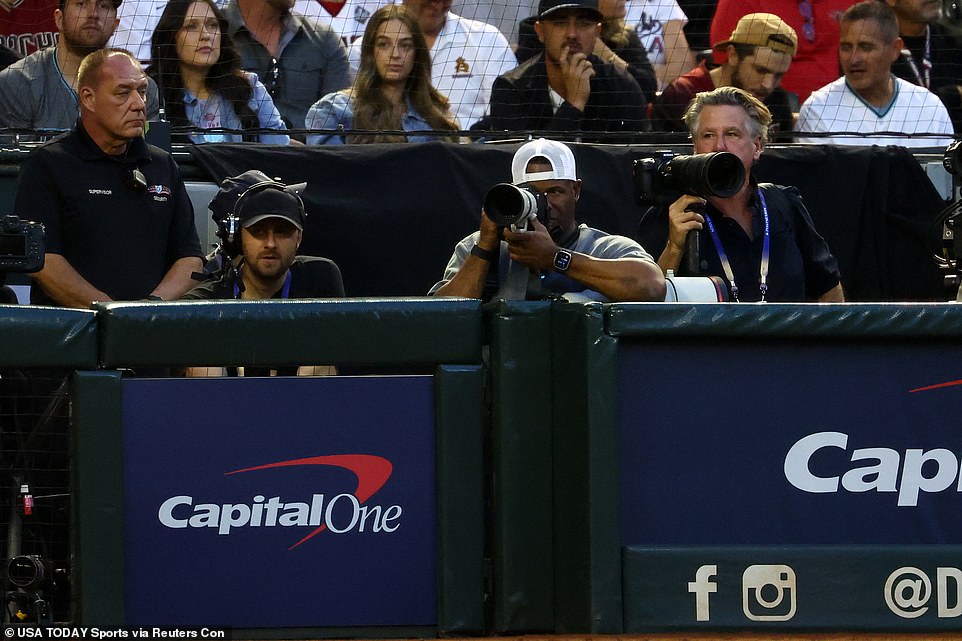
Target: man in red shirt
x,y
815,22
27,25
758,54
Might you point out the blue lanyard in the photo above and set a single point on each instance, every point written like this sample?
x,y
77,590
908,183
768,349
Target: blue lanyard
x,y
766,251
285,290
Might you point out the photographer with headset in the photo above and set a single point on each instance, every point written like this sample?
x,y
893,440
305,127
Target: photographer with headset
x,y
761,240
119,224
547,253
260,222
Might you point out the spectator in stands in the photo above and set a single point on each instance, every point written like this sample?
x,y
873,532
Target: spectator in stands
x,y
298,61
660,26
392,91
761,241
119,224
554,255
262,262
566,88
505,16
346,18
26,26
932,53
40,91
759,52
466,57
869,99
198,70
815,22
617,45
137,21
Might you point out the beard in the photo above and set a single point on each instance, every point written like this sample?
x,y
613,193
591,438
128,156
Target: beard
x,y
84,46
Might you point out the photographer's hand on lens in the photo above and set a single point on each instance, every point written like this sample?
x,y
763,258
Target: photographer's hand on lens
x,y
577,71
490,234
533,247
683,217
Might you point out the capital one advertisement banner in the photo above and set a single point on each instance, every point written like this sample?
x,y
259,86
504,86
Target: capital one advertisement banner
x,y
268,502
763,442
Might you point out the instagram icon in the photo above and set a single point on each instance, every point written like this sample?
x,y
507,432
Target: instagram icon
x,y
768,592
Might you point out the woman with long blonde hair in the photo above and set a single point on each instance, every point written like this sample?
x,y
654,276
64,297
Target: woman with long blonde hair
x,y
392,92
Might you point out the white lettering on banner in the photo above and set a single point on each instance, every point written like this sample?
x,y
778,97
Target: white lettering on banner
x,y
908,591
882,475
701,587
342,514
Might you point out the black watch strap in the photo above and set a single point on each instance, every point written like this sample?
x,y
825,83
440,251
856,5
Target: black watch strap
x,y
483,254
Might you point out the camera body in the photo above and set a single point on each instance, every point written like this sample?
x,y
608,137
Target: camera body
x,y
511,206
21,245
662,177
952,158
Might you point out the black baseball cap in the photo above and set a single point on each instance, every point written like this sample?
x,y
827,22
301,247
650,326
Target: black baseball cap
x,y
547,7
274,199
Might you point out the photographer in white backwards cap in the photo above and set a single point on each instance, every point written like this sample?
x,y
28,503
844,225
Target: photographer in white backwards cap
x,y
552,253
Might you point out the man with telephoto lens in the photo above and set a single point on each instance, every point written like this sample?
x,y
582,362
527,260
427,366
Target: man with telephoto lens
x,y
761,240
551,255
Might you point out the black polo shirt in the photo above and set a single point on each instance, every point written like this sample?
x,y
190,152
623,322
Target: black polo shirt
x,y
120,236
801,267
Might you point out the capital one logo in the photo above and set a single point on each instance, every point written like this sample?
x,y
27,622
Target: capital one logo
x,y
878,469
768,592
339,514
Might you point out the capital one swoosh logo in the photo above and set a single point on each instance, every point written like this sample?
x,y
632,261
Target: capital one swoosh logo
x,y
372,472
936,386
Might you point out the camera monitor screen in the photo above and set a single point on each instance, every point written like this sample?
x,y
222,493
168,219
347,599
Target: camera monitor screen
x,y
13,246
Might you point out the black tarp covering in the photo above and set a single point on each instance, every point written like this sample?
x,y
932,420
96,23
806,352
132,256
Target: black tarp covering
x,y
390,215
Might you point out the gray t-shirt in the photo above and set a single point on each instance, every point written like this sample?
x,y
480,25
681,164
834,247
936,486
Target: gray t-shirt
x,y
589,240
34,95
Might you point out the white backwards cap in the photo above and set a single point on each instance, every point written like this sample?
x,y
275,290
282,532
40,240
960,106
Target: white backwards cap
x,y
557,154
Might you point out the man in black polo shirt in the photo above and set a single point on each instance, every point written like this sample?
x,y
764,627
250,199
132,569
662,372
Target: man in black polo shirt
x,y
761,240
118,221
566,88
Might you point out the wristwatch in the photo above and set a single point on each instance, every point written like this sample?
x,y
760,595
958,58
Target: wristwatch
x,y
562,260
483,254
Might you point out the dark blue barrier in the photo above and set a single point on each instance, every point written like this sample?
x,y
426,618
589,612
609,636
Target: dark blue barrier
x,y
681,432
328,506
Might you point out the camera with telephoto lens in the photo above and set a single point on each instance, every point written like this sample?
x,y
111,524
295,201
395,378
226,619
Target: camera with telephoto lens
x,y
21,245
511,206
661,178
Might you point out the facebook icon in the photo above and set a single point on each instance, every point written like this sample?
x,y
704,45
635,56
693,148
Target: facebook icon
x,y
701,587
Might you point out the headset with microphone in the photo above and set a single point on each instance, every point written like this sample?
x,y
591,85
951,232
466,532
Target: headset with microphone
x,y
229,215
